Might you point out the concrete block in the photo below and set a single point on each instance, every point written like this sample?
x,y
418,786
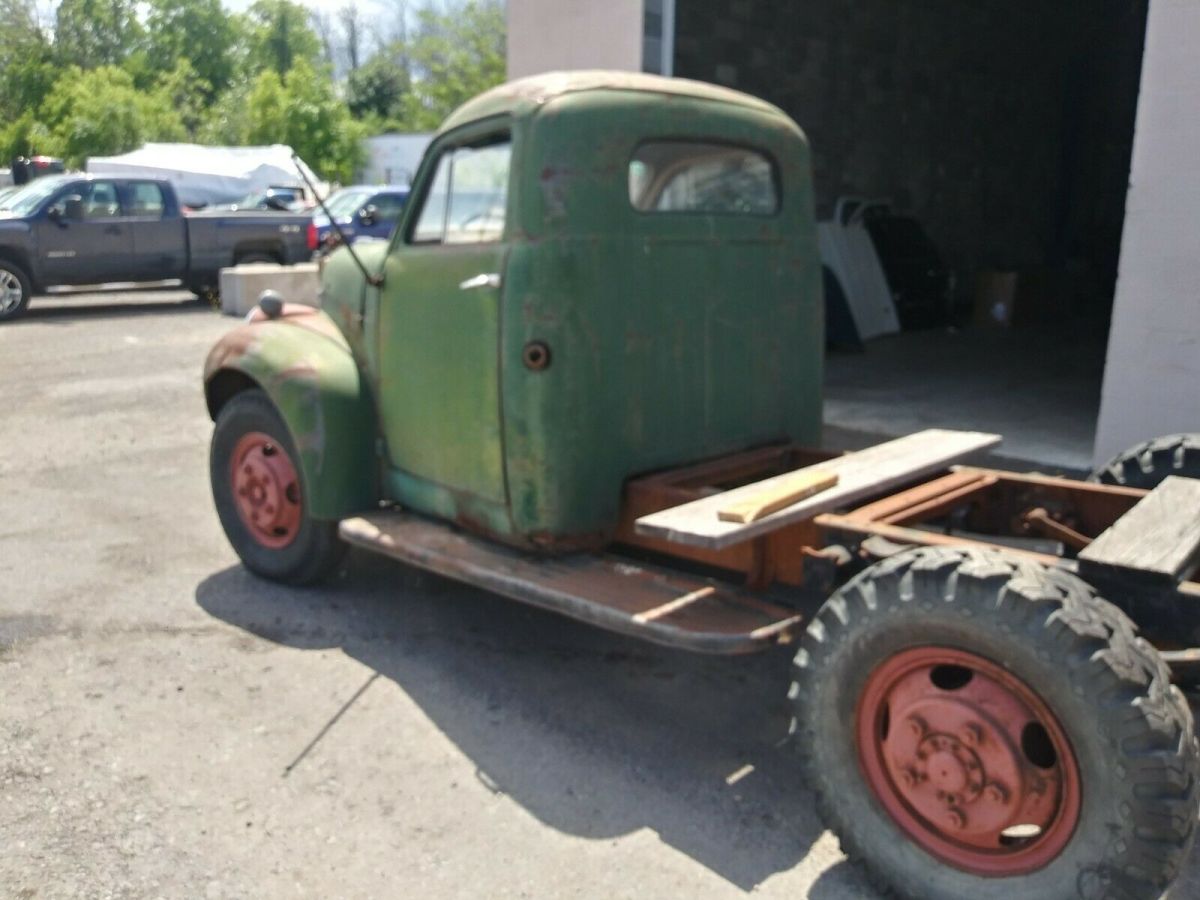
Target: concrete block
x,y
241,286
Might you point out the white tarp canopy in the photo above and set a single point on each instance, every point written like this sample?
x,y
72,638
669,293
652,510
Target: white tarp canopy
x,y
208,175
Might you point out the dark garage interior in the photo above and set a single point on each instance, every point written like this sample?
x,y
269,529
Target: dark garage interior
x,y
1003,127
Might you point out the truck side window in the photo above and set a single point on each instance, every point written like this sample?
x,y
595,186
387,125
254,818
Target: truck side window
x,y
466,202
146,199
691,176
100,201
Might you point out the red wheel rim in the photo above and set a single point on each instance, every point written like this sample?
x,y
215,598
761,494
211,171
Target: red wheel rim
x,y
968,761
266,490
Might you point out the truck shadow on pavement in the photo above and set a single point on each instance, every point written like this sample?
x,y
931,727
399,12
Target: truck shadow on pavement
x,y
595,734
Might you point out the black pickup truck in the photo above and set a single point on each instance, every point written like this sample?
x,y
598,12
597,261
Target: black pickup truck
x,y
95,229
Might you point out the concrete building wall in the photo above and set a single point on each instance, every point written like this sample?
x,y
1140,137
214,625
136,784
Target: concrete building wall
x,y
1004,126
393,158
1152,376
547,35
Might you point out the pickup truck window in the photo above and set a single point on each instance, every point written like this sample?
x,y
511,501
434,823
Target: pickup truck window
x,y
466,202
690,176
100,200
146,200
26,200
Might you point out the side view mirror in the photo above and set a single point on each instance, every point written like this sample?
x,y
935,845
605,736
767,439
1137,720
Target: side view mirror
x,y
368,215
67,209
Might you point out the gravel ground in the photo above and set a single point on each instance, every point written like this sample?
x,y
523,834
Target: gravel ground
x,y
172,727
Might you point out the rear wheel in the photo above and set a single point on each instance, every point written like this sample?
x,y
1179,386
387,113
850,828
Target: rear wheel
x,y
980,726
261,498
15,290
1147,464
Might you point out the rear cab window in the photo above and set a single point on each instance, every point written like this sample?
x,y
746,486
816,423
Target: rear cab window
x,y
681,176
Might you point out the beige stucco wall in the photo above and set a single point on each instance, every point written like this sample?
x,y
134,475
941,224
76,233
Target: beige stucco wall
x,y
1152,376
546,35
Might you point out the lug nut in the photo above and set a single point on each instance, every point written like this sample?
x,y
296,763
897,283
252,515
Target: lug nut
x,y
956,820
971,735
917,726
997,794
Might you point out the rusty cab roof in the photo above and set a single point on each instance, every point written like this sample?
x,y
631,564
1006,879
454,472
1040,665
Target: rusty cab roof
x,y
524,97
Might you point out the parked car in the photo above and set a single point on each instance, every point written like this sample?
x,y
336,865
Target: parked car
x,y
26,170
360,211
89,229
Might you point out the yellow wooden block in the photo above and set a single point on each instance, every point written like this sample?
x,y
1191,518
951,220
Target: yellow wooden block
x,y
785,492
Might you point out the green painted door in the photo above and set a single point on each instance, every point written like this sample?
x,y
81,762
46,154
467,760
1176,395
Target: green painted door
x,y
439,320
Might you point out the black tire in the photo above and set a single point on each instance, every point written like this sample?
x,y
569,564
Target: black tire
x,y
16,290
315,551
1131,731
1147,464
250,258
205,293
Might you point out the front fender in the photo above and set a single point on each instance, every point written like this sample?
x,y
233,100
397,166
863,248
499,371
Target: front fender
x,y
306,367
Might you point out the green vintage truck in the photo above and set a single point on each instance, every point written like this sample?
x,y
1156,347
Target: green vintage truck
x,y
586,373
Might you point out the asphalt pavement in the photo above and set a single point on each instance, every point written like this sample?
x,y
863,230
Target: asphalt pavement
x,y
172,727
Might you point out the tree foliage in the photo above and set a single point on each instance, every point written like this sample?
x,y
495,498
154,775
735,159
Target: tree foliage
x,y
198,32
454,56
279,35
90,33
100,77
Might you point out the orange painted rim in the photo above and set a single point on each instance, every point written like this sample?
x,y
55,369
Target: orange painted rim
x,y
968,761
266,490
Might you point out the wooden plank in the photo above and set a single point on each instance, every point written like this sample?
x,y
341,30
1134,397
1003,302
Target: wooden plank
x,y
860,475
799,485
1160,535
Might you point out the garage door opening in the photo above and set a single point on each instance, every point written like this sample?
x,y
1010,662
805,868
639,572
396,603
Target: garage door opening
x,y
1004,132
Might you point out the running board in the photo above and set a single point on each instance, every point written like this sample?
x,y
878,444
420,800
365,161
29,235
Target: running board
x,y
633,598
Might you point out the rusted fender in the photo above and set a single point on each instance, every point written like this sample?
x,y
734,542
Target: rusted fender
x,y
303,363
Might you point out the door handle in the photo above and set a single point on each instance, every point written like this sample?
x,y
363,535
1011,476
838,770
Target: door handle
x,y
489,279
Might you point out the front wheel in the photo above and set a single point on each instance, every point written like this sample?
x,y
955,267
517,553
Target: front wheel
x,y
15,290
980,726
261,498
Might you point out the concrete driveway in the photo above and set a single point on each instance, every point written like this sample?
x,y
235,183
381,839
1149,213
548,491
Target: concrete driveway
x,y
172,727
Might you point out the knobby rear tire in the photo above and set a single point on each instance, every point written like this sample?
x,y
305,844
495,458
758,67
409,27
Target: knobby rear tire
x,y
1131,730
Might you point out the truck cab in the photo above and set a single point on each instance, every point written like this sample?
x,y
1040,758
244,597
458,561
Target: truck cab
x,y
597,275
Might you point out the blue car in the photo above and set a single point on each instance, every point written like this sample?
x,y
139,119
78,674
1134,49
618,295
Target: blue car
x,y
360,211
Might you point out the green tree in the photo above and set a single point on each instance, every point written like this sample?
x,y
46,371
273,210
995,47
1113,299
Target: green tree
x,y
378,87
27,69
184,91
279,36
198,31
303,111
100,112
300,109
90,33
455,55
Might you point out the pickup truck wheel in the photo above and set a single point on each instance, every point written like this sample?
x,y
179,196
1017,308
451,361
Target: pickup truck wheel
x,y
979,726
1147,464
205,293
250,258
15,290
261,497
